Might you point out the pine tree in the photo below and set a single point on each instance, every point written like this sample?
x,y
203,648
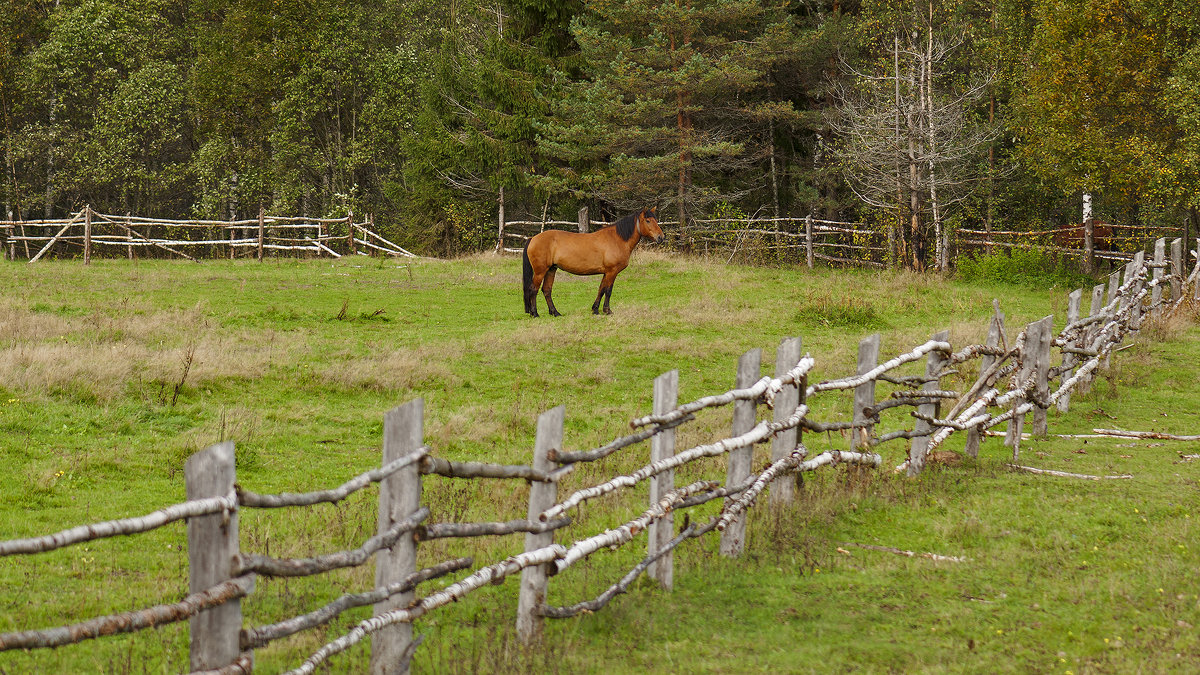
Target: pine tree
x,y
675,104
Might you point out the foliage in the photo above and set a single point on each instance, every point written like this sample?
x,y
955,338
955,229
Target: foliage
x,y
1024,266
428,115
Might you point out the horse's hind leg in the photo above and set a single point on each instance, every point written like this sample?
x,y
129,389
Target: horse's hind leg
x,y
531,293
547,289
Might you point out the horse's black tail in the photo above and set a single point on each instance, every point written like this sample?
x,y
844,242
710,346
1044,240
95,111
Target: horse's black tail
x,y
526,276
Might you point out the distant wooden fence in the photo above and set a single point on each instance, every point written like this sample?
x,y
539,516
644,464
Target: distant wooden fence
x,y
88,232
856,244
808,238
1017,377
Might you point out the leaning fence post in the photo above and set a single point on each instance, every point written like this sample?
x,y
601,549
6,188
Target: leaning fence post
x,y
212,550
933,365
808,240
1176,269
662,446
1042,371
1091,331
542,495
786,402
399,496
733,538
1068,359
1027,362
864,394
1160,259
995,337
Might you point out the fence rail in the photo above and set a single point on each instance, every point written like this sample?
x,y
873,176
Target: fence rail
x,y
858,244
88,231
1016,380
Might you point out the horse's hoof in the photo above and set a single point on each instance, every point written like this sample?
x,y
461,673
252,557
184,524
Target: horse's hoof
x,y
607,311
554,313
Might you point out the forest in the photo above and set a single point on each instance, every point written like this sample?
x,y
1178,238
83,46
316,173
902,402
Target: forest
x,y
916,116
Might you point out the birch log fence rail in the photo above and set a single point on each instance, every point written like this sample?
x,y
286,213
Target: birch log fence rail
x,y
1016,379
88,231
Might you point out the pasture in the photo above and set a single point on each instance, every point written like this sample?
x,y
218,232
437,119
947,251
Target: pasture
x,y
112,375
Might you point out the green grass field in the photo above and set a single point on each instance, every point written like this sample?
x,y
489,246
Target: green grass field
x,y
112,375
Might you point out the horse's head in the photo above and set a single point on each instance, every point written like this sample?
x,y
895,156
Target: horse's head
x,y
648,225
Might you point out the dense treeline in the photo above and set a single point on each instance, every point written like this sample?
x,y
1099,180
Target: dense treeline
x,y
917,115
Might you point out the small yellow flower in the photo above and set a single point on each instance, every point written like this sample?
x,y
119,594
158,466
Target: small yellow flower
x,y
999,631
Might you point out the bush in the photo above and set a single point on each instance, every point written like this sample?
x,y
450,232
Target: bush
x,y
1026,267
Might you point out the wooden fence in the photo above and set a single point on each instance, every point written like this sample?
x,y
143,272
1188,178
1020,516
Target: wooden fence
x,y
859,244
808,238
1021,376
87,232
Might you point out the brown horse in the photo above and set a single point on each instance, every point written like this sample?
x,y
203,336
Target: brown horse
x,y
605,251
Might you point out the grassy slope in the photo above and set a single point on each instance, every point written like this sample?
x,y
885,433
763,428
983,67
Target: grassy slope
x,y
1063,575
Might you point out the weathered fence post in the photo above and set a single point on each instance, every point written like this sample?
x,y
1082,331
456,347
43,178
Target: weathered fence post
x,y
260,233
1139,264
864,394
87,234
584,221
933,365
1027,367
995,337
1074,300
733,538
662,446
1160,259
1176,269
787,355
1088,334
1042,371
542,496
399,496
350,234
808,240
212,550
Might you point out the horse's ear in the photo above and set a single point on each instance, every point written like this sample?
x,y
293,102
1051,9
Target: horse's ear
x,y
654,211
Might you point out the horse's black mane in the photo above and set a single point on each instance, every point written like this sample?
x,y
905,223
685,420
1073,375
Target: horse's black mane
x,y
628,225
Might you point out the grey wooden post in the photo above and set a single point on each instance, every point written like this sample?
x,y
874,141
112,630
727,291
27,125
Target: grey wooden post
x,y
1027,364
864,394
212,550
399,496
808,241
662,446
1160,257
1196,284
745,413
933,364
584,221
1176,269
1139,261
542,496
87,235
1091,331
1074,300
994,338
787,355
1041,370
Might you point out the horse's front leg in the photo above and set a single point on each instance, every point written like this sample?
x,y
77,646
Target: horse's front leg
x,y
605,293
